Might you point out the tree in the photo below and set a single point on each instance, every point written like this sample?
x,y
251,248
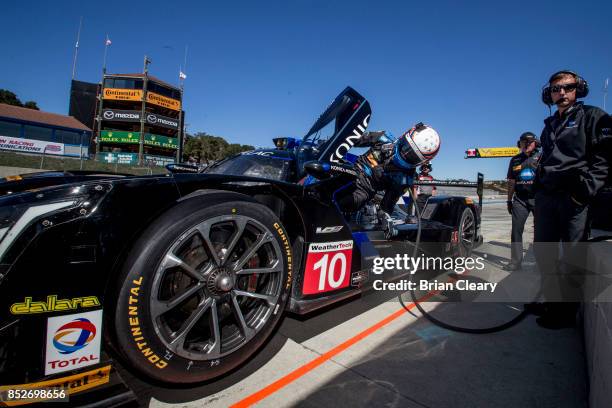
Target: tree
x,y
10,98
31,105
208,148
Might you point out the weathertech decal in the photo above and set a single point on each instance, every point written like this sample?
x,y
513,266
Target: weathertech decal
x,y
136,331
328,266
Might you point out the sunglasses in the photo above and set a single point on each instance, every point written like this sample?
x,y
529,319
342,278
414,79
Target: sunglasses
x,y
566,88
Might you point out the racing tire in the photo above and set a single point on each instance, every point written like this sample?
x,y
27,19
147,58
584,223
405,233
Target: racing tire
x,y
202,289
466,232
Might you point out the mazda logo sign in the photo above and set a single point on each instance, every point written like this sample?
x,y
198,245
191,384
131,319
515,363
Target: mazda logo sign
x,y
109,115
152,118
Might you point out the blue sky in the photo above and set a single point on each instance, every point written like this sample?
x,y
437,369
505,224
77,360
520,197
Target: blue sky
x,y
258,70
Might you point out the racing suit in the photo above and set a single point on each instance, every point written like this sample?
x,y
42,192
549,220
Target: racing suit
x,y
376,172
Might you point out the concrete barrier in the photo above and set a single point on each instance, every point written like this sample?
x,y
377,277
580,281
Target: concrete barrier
x,y
598,324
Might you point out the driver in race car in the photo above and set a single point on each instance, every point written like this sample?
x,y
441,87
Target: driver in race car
x,y
388,166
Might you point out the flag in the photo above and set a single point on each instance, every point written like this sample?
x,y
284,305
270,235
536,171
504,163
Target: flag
x,y
182,75
108,41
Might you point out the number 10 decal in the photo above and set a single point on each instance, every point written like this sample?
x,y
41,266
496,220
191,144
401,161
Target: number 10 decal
x,y
328,267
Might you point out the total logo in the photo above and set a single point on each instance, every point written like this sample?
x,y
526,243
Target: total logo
x,y
527,175
73,341
81,329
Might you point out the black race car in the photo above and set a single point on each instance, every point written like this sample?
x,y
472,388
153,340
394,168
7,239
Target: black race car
x,y
184,275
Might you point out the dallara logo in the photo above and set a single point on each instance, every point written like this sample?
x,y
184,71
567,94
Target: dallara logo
x,y
53,304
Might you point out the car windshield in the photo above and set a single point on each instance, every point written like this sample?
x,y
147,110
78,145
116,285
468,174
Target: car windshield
x,y
254,164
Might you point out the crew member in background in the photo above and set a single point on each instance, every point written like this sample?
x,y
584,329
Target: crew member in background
x,y
573,167
521,174
423,192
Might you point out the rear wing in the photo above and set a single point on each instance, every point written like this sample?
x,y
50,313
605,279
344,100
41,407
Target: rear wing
x,y
478,184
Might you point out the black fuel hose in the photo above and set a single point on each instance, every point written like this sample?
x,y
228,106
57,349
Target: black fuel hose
x,y
438,322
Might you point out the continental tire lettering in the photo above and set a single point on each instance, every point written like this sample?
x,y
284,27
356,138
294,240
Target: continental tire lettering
x,y
136,331
287,248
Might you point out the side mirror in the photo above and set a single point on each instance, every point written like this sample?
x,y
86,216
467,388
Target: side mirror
x,y
317,169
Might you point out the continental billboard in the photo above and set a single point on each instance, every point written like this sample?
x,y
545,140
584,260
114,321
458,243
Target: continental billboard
x,y
491,152
163,101
122,94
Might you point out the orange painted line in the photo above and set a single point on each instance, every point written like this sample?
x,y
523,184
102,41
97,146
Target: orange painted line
x,y
303,370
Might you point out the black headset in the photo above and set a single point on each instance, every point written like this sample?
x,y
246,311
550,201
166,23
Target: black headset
x,y
582,87
528,136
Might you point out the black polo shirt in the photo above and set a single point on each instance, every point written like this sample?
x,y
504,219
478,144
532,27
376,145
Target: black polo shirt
x,y
522,169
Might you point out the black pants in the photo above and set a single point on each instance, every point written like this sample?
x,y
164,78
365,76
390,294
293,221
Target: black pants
x,y
559,219
354,197
520,211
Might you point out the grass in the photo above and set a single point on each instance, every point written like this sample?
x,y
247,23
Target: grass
x,y
32,161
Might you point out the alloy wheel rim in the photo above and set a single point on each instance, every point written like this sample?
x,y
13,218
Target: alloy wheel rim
x,y
216,287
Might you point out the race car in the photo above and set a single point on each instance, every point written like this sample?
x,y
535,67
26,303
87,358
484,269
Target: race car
x,y
183,276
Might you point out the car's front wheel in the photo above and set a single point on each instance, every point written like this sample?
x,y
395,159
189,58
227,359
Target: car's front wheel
x,y
202,289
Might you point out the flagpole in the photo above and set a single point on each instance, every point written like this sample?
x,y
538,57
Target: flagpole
x,y
605,92
106,44
181,130
76,48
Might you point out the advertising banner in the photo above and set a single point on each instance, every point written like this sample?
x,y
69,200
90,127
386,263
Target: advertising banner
x,y
122,94
132,159
491,152
121,158
160,141
163,101
118,136
115,115
18,144
158,160
163,121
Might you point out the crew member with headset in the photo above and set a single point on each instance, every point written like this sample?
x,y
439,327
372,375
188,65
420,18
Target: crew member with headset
x,y
574,166
521,175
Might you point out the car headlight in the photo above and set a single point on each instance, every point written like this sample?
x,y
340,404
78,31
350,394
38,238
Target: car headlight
x,y
25,215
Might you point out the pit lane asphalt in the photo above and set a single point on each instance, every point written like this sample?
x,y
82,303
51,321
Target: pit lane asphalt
x,y
325,360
